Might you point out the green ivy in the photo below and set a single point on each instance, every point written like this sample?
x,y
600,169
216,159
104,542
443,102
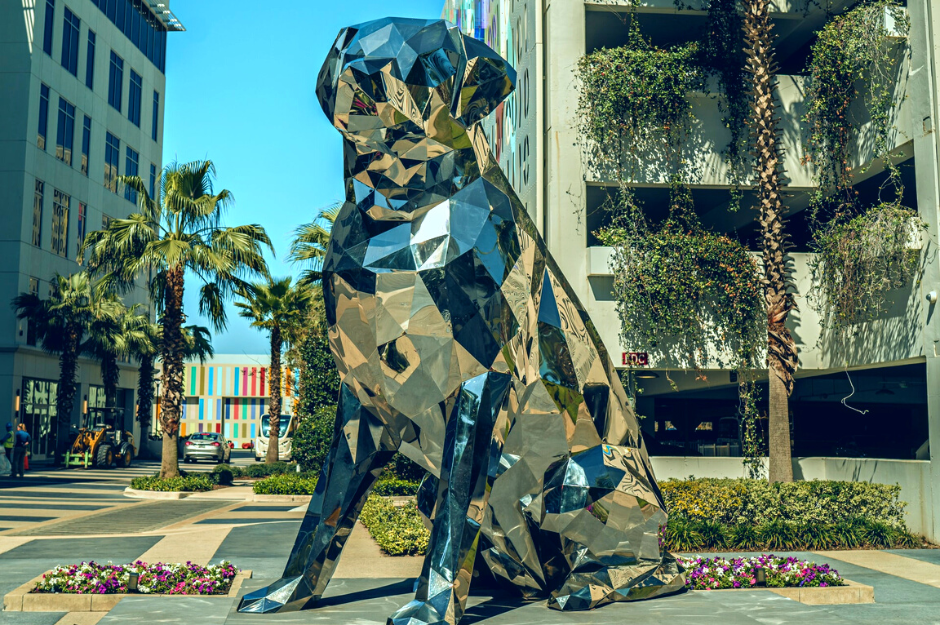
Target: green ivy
x,y
683,291
634,101
863,252
860,260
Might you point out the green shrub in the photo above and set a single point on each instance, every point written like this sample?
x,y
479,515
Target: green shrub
x,y
743,537
404,469
397,530
877,534
394,487
734,501
224,477
845,534
714,535
682,535
778,536
313,438
236,472
816,537
286,484
192,483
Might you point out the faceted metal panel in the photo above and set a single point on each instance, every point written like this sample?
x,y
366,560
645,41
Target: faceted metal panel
x,y
460,344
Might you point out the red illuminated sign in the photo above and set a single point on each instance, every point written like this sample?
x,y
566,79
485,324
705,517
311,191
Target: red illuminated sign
x,y
636,359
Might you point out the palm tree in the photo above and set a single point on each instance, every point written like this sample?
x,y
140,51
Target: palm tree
x,y
778,280
113,336
183,233
309,245
198,345
278,307
60,323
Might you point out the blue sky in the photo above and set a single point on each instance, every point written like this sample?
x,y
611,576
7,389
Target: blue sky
x,y
240,91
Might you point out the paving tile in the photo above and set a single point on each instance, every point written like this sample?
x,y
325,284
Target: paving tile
x,y
70,550
287,507
188,610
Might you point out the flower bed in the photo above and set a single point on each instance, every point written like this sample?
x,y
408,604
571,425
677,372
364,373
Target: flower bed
x,y
721,573
162,579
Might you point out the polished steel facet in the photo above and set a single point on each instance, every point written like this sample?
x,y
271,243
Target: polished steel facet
x,y
460,344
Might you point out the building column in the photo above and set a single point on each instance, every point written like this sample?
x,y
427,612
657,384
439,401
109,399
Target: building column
x,y
925,27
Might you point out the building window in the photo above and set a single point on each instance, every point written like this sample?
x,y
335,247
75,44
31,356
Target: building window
x,y
156,115
30,326
116,82
65,132
37,212
47,33
130,169
43,116
39,415
60,222
105,221
153,182
70,29
133,99
112,152
86,143
80,229
140,26
90,61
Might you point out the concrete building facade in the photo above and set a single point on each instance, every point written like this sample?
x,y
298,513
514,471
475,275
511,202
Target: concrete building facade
x,y
83,90
889,373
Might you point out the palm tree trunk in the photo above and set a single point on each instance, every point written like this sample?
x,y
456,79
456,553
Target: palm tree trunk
x,y
171,403
144,402
110,376
274,392
65,393
778,281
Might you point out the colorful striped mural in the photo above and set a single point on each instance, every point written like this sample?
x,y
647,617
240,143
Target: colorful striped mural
x,y
230,399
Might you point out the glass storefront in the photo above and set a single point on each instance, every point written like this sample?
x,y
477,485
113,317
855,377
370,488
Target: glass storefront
x,y
38,413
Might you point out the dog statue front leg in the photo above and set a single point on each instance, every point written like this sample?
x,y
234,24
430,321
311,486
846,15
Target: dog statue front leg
x,y
355,461
469,449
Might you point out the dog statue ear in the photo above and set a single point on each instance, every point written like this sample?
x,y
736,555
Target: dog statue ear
x,y
487,80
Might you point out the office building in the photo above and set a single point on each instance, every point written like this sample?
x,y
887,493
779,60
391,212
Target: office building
x,y
83,89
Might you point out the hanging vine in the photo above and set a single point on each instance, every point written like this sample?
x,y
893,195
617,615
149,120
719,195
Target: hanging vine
x,y
683,292
863,251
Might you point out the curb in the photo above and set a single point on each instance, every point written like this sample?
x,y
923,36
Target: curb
x,y
153,494
280,498
852,592
23,600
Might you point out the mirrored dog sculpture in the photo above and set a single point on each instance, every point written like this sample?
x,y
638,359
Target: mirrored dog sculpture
x,y
460,344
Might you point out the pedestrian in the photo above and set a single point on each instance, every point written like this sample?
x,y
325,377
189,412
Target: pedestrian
x,y
8,441
20,447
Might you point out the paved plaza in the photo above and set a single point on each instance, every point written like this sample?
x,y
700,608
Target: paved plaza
x,y
57,517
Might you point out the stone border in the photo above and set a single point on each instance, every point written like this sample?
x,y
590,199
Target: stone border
x,y
852,592
155,494
23,600
164,495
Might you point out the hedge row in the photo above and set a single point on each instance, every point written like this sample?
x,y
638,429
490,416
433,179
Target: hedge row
x,y
190,483
261,470
733,502
398,530
304,483
682,535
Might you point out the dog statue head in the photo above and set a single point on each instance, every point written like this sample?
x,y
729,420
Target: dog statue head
x,y
406,95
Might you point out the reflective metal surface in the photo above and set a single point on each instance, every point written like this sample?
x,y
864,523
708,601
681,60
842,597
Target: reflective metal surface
x,y
460,343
